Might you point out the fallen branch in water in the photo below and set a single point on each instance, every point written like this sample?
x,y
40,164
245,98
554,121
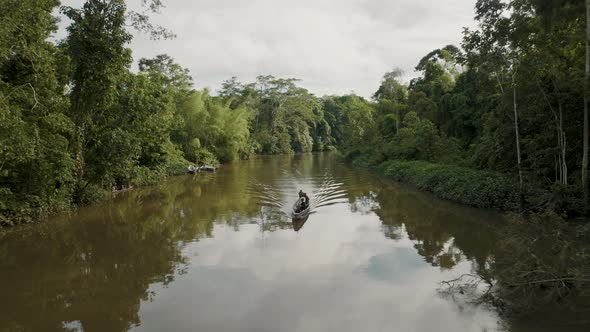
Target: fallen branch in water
x,y
462,286
549,281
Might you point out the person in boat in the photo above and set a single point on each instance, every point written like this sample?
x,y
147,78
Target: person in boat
x,y
304,200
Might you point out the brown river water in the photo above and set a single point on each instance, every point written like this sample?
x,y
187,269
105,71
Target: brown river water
x,y
220,252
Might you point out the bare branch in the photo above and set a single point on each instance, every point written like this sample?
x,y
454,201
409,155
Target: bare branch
x,y
16,88
559,280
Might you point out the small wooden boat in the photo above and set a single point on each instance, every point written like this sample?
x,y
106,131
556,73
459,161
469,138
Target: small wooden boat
x,y
298,212
206,168
192,169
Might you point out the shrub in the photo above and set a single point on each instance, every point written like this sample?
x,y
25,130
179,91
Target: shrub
x,y
90,194
463,185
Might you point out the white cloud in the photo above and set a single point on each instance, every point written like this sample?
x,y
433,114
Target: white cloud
x,y
334,46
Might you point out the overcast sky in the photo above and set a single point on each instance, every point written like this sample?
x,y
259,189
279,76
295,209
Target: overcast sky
x,y
333,46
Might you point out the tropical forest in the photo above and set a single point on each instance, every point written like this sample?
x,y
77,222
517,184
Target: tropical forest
x,y
454,198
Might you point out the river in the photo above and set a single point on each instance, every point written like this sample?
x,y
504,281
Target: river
x,y
219,252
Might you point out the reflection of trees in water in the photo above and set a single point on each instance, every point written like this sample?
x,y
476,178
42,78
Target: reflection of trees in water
x,y
96,267
442,232
538,263
538,276
364,204
96,271
541,261
272,219
533,264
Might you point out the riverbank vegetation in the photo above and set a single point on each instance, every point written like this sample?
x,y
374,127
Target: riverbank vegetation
x,y
505,108
76,121
510,101
499,122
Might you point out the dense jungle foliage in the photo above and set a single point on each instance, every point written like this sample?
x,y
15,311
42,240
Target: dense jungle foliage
x,y
513,100
75,121
500,122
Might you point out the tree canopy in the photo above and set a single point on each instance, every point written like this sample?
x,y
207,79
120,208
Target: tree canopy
x,y
76,120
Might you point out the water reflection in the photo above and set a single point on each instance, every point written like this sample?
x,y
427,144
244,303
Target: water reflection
x,y
299,222
218,252
94,268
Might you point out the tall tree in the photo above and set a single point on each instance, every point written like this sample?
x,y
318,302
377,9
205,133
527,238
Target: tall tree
x,y
36,169
495,47
163,68
392,94
97,44
586,105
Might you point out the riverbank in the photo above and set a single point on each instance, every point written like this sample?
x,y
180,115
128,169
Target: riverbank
x,y
540,258
146,256
27,210
462,185
467,186
477,188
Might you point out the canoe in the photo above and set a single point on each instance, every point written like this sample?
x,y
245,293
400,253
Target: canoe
x,y
206,168
299,222
300,214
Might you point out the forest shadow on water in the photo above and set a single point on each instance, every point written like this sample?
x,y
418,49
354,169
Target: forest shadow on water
x,y
220,252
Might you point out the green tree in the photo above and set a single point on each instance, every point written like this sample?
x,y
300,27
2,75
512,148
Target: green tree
x,y
428,93
498,46
392,98
168,73
36,168
350,116
211,129
97,44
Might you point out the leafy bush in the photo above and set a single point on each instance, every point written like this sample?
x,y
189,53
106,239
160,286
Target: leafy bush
x,y
463,185
89,194
145,176
175,162
204,157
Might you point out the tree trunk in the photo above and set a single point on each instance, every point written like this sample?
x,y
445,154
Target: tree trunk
x,y
399,119
396,108
561,167
517,135
274,117
557,170
562,146
586,100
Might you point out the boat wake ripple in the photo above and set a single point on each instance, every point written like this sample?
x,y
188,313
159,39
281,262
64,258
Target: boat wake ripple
x,y
323,191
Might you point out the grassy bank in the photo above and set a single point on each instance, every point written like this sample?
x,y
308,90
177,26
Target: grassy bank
x,y
462,185
482,189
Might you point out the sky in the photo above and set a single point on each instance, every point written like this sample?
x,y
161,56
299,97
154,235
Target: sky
x,y
332,46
